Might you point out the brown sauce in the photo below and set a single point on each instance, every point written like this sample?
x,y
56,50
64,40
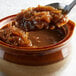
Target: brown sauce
x,y
45,37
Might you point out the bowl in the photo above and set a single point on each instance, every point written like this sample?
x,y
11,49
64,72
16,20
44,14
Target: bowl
x,y
28,58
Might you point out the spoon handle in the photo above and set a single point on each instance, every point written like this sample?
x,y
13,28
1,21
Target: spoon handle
x,y
68,8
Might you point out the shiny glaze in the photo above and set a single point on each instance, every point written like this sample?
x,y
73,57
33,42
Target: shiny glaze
x,y
36,56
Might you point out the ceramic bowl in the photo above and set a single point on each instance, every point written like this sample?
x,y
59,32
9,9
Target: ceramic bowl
x,y
37,56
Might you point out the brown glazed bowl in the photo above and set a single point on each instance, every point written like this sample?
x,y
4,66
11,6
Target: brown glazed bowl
x,y
37,56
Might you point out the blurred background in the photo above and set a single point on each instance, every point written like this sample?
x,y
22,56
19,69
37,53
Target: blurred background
x,y
10,7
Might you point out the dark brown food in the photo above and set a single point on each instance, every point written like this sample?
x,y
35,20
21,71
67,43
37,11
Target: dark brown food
x,y
38,22
14,36
40,17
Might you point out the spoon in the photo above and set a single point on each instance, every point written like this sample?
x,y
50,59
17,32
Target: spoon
x,y
65,8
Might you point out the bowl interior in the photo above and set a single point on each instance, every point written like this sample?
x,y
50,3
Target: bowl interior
x,y
67,30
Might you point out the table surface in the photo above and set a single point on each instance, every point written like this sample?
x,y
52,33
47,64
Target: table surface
x,y
9,7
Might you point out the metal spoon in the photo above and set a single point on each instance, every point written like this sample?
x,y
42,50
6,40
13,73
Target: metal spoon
x,y
65,8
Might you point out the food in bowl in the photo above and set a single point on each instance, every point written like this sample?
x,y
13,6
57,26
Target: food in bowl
x,y
35,27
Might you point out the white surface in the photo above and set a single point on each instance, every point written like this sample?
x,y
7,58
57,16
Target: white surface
x,y
9,7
